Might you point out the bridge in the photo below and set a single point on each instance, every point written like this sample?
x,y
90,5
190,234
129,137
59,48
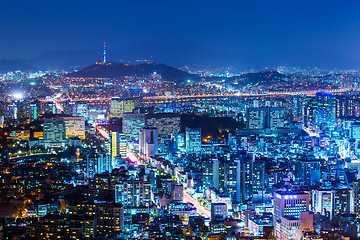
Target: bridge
x,y
208,97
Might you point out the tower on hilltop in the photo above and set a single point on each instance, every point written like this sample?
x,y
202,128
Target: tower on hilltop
x,y
104,53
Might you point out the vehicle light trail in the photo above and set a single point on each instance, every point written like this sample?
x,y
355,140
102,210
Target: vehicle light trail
x,y
103,133
132,157
197,205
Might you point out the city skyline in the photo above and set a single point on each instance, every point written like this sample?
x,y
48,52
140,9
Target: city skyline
x,y
261,32
179,120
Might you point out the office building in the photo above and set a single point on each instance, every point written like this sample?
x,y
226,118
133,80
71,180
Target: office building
x,y
276,118
167,124
258,173
342,201
121,105
97,163
289,205
193,140
265,117
118,145
70,108
323,202
49,108
233,180
148,142
132,123
289,228
219,212
75,127
54,132
256,118
219,174
133,193
82,109
308,170
109,216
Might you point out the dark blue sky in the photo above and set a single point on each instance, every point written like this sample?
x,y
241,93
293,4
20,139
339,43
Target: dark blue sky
x,y
29,28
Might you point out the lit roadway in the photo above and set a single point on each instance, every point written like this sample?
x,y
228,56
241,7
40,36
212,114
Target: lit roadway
x,y
200,208
248,94
308,93
103,133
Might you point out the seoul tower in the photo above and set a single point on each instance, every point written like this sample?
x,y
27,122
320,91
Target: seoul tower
x,y
104,53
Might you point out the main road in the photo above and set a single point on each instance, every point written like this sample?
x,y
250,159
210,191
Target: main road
x,y
58,100
187,197
200,208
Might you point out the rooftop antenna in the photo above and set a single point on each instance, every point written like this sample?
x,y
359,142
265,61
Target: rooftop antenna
x,y
104,52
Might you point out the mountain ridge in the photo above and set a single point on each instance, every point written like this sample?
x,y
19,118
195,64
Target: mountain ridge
x,y
181,55
120,70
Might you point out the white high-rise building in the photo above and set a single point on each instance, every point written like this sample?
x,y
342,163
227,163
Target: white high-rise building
x,y
148,142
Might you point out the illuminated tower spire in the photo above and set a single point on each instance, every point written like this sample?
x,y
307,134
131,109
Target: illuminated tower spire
x,y
104,52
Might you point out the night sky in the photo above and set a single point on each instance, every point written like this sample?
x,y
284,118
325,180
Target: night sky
x,y
29,28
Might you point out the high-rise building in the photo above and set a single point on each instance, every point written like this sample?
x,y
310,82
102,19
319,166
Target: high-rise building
x,y
247,162
133,193
219,212
233,180
297,107
121,105
308,170
23,110
70,108
3,106
208,172
11,111
320,110
148,141
96,163
167,123
256,118
75,127
122,146
356,198
289,228
276,118
342,201
193,140
355,130
118,145
54,132
219,174
109,216
49,108
132,123
347,106
266,117
82,109
33,111
323,202
289,205
258,175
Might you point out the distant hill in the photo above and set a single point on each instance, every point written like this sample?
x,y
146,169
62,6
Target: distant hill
x,y
188,54
119,70
260,78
